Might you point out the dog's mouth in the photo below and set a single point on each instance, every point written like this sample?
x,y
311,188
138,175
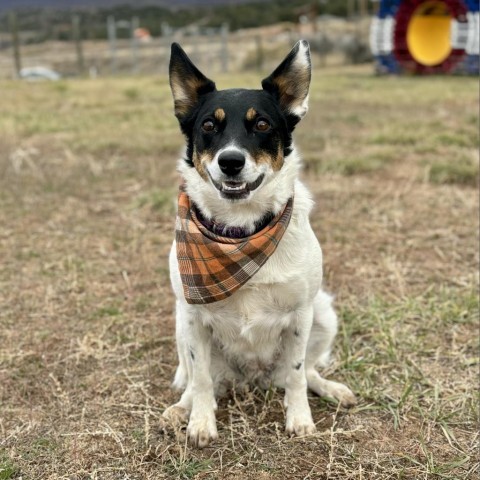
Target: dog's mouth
x,y
237,190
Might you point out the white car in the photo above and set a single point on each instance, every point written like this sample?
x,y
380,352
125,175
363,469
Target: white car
x,y
39,73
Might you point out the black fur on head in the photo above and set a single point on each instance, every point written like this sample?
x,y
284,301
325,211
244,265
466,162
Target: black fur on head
x,y
258,121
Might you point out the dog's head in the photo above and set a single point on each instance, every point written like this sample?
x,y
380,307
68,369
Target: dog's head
x,y
238,139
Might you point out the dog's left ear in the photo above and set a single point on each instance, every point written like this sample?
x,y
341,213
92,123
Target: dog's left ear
x,y
186,81
290,81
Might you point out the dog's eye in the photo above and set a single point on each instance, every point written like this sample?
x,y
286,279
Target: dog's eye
x,y
262,125
208,126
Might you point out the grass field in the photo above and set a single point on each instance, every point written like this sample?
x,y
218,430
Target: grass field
x,y
87,182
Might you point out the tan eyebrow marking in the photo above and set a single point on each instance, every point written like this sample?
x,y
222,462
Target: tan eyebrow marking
x,y
251,113
219,114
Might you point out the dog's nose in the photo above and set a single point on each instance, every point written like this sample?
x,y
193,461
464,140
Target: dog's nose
x,y
231,162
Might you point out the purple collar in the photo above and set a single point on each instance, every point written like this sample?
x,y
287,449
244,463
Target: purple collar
x,y
223,230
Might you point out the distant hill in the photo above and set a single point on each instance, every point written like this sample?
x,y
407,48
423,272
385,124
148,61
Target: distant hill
x,y
50,19
75,4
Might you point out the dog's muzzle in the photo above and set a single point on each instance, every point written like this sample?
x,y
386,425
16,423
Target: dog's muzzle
x,y
236,190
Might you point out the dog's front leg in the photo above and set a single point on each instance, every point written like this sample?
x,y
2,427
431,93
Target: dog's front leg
x,y
299,416
202,428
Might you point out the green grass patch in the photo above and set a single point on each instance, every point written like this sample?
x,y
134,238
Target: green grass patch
x,y
395,138
351,165
462,171
383,335
40,447
110,311
187,468
8,469
456,139
142,304
131,93
366,164
158,200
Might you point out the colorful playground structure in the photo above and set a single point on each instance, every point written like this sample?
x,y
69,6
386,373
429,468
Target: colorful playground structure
x,y
426,36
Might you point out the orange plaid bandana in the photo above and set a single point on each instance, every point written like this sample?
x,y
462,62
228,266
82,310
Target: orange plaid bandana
x,y
213,267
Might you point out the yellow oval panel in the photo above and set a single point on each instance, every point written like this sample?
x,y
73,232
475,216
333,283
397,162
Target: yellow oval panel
x,y
428,34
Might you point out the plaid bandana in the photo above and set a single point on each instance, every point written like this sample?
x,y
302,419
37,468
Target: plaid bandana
x,y
213,267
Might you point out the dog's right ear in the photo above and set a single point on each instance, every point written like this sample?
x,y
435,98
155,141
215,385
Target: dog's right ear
x,y
186,81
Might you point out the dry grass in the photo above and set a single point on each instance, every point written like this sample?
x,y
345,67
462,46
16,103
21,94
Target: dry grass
x,y
87,355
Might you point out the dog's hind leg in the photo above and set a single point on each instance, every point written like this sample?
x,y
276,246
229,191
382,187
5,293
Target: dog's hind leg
x,y
323,332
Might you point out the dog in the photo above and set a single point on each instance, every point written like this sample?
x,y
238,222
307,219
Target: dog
x,y
245,265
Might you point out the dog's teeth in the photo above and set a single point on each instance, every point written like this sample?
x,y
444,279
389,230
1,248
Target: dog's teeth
x,y
240,186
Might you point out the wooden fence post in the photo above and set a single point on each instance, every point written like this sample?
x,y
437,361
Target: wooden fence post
x,y
112,37
259,49
15,42
77,37
134,24
224,47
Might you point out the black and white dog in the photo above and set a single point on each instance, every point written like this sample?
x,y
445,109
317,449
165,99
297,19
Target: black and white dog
x,y
240,170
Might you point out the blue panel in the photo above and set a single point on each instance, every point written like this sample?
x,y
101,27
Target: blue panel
x,y
472,64
388,8
472,5
387,64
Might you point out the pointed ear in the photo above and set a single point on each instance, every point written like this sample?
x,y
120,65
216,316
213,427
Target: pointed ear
x,y
290,81
186,81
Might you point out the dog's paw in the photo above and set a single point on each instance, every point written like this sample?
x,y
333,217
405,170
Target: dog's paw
x,y
176,415
300,425
328,388
343,394
202,430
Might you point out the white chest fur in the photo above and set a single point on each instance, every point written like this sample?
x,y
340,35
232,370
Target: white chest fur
x,y
250,325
